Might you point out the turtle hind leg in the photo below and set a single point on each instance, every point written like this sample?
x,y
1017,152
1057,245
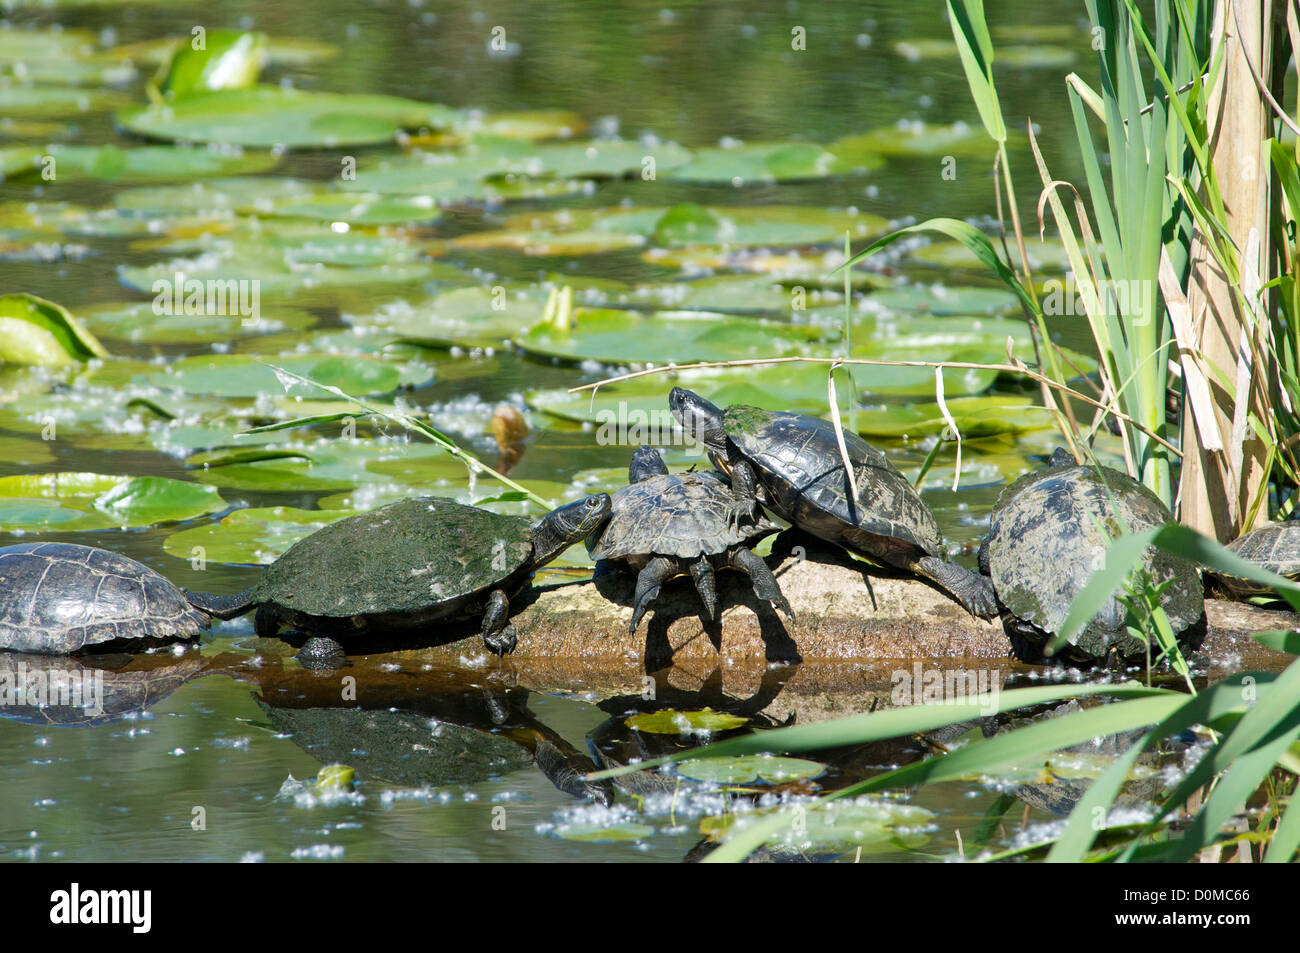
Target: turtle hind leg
x,y
653,575
221,607
266,623
765,585
706,585
498,635
973,591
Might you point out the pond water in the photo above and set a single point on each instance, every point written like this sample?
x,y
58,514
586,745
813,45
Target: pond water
x,y
869,123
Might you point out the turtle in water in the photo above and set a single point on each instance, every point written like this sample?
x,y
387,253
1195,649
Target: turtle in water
x,y
59,598
793,463
1273,546
1050,530
405,565
663,525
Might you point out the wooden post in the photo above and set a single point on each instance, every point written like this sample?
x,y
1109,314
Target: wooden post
x,y
1216,487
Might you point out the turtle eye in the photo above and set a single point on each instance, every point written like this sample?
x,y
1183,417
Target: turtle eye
x,y
593,502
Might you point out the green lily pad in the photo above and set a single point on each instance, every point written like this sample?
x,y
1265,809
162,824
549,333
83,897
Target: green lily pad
x,y
639,407
763,163
612,833
685,226
915,139
1042,255
360,208
974,416
746,770
940,299
40,332
83,501
239,375
599,159
215,197
18,99
466,317
267,116
142,163
731,293
251,536
618,337
229,59
670,721
137,321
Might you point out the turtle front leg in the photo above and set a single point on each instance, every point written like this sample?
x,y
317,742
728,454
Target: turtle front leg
x,y
706,585
653,575
498,635
765,585
744,486
973,591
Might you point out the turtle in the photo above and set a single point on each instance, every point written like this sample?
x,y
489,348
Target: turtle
x,y
405,565
664,525
60,598
1273,546
1050,529
793,463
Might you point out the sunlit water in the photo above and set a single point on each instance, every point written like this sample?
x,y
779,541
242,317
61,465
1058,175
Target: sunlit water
x,y
196,776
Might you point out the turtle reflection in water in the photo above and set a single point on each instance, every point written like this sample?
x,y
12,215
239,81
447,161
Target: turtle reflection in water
x,y
405,565
418,729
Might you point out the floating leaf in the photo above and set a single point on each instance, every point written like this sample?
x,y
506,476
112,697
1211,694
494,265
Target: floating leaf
x,y
267,116
83,501
761,163
611,833
229,59
142,163
36,331
238,375
749,768
251,536
670,721
618,337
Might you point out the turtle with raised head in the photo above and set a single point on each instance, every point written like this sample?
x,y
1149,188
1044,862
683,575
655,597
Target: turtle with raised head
x,y
405,565
793,463
664,525
1050,530
1274,547
59,598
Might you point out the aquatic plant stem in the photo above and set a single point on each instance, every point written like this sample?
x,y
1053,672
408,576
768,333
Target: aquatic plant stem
x,y
472,463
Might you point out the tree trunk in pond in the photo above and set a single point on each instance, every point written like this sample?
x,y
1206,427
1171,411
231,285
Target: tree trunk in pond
x,y
1218,488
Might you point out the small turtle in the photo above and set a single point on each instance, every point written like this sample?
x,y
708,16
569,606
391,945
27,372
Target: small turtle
x,y
1050,530
793,463
59,598
1273,546
664,525
405,565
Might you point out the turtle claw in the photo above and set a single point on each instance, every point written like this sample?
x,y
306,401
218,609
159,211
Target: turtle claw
x,y
501,643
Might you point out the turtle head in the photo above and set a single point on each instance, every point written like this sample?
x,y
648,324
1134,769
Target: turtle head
x,y
569,524
701,419
646,463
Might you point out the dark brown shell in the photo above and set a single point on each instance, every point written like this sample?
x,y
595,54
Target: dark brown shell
x,y
799,465
683,514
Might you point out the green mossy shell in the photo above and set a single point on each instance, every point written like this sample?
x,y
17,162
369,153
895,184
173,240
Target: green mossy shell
x,y
1050,530
406,558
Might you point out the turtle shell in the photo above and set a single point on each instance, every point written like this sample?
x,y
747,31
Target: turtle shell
x,y
57,598
1273,546
1050,530
798,464
418,558
681,514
